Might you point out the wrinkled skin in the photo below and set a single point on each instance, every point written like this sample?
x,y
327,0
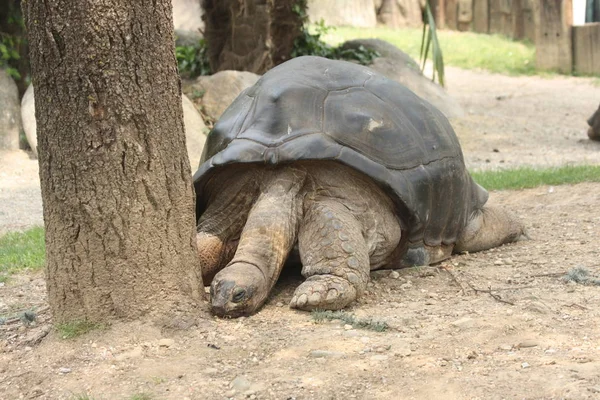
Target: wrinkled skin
x,y
344,225
594,123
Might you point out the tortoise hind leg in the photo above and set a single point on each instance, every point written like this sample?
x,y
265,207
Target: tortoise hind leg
x,y
489,227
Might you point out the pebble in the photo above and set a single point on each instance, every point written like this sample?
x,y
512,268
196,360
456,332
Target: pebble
x,y
326,354
525,365
64,370
505,347
351,333
528,343
394,275
464,323
594,389
402,349
347,327
279,304
166,342
240,384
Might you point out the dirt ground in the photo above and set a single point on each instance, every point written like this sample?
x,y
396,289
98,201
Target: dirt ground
x,y
499,324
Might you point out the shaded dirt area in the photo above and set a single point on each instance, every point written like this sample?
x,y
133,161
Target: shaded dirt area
x,y
491,325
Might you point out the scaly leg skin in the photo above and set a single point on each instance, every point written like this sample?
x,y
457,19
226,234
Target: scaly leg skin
x,y
268,236
490,227
335,257
220,226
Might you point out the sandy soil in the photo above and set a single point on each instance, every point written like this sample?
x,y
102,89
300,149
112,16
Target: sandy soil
x,y
492,325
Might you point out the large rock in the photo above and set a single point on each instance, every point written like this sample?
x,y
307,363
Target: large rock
x,y
10,121
195,132
195,129
28,119
400,67
216,92
343,12
187,15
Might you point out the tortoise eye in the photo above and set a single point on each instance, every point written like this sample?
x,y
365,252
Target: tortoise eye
x,y
238,294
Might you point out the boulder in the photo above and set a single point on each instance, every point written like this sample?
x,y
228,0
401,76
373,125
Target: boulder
x,y
195,129
187,15
400,67
359,13
28,119
10,121
195,132
594,123
215,93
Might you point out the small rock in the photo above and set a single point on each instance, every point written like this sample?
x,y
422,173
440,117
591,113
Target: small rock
x,y
528,343
430,302
240,384
351,333
394,275
499,262
137,352
210,371
525,365
402,349
505,347
594,389
347,327
64,370
326,354
279,304
464,323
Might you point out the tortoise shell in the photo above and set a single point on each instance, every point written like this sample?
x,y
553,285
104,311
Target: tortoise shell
x,y
312,108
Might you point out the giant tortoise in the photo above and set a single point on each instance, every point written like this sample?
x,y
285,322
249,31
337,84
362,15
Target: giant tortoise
x,y
354,168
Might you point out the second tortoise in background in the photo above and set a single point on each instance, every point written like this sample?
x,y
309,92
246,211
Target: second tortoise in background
x,y
355,168
594,123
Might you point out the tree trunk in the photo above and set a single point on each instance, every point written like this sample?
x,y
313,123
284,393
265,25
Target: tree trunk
x,y
250,35
116,182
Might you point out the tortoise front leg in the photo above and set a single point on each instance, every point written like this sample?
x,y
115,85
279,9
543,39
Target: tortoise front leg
x,y
490,227
267,237
335,257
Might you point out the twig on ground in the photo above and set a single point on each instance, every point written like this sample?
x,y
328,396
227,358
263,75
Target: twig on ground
x,y
489,291
552,274
454,278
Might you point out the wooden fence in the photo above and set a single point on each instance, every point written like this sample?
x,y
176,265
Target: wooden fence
x,y
559,45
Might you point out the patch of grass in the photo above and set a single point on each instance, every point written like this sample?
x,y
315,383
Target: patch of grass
x,y
581,275
347,318
468,50
141,396
82,397
527,177
73,329
21,251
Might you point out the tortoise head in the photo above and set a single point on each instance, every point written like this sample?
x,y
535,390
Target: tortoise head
x,y
238,290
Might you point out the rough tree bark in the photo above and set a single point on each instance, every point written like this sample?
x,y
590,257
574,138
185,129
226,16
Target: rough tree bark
x,y
116,181
250,35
